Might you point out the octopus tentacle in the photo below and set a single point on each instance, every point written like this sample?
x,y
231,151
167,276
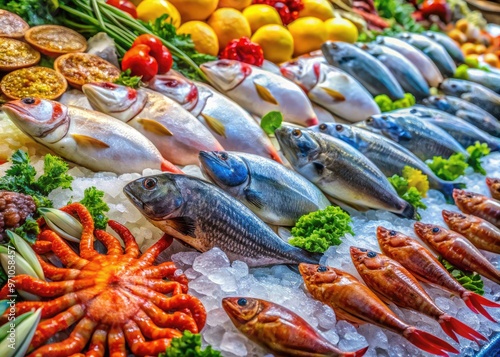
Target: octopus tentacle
x,y
97,345
42,246
62,250
152,253
49,308
87,250
151,331
131,246
112,244
161,286
48,289
56,274
166,269
138,344
116,342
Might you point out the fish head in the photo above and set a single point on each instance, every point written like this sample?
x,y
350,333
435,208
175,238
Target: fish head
x,y
299,146
389,239
455,87
366,260
157,196
467,201
493,185
340,131
431,233
456,220
438,102
387,125
318,275
304,72
242,309
225,169
226,74
121,102
41,119
176,87
339,52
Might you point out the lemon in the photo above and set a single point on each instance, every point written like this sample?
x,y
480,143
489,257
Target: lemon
x,y
260,15
149,10
195,9
228,24
276,42
235,4
308,34
204,38
322,9
339,29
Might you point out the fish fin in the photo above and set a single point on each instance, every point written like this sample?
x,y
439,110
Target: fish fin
x,y
215,125
358,353
167,166
476,302
336,96
183,225
254,198
85,140
319,167
154,127
451,325
429,343
265,94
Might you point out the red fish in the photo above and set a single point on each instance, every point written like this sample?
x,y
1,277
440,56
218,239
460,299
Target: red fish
x,y
478,205
494,186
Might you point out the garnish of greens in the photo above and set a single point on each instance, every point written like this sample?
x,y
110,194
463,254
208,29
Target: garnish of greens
x,y
469,280
386,104
93,200
189,345
271,121
126,79
411,187
476,152
400,12
319,230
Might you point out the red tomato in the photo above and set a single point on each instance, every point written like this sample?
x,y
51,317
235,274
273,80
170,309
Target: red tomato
x,y
125,6
140,62
158,51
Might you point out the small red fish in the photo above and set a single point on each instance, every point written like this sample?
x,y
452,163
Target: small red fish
x,y
279,329
354,302
478,205
393,283
425,267
494,186
456,249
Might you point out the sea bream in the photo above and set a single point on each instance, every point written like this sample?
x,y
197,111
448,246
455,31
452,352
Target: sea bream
x,y
276,194
230,124
340,171
331,88
260,91
369,71
203,216
86,137
177,134
448,44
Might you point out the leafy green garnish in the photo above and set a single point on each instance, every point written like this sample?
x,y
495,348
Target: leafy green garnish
x,y
28,230
3,276
448,169
271,121
400,11
469,280
386,104
126,79
411,187
189,345
476,152
46,61
319,230
34,12
92,199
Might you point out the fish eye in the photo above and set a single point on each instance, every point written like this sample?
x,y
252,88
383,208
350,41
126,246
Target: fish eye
x,y
369,120
321,269
107,85
371,255
172,83
29,100
339,127
223,64
362,249
385,117
323,127
297,133
149,183
224,156
413,111
453,86
334,46
435,229
392,233
242,301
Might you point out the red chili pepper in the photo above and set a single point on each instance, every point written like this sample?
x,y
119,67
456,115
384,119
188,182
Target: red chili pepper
x,y
125,6
158,51
243,50
436,7
140,62
287,9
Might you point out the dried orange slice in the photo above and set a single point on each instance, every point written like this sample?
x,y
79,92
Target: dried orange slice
x,y
53,40
15,54
12,25
39,82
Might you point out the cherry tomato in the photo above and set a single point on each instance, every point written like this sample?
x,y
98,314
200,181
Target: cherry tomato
x,y
125,6
140,62
158,51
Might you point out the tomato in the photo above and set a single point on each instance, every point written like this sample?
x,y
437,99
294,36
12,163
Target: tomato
x,y
140,62
158,51
125,6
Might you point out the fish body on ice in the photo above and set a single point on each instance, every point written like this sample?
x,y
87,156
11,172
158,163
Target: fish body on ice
x,y
478,205
448,44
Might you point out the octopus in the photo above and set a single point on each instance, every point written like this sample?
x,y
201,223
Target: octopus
x,y
120,299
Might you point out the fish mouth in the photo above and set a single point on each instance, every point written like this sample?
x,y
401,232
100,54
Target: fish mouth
x,y
138,203
16,108
209,159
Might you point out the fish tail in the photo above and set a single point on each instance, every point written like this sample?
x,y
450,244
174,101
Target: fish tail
x,y
447,188
429,343
451,325
476,303
357,353
409,212
167,166
274,155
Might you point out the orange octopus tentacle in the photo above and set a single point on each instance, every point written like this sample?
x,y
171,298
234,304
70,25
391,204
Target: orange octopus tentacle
x,y
60,322
73,344
138,344
151,331
48,289
116,342
42,246
131,246
87,250
166,269
161,286
49,308
112,244
97,346
62,250
56,274
152,253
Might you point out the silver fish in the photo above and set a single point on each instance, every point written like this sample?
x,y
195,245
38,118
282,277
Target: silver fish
x,y
277,195
177,134
449,45
323,115
390,157
340,171
369,71
86,137
490,80
422,138
203,216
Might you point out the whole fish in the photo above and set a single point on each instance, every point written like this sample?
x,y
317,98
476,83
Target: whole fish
x,y
340,171
369,71
390,157
494,187
280,330
490,80
203,216
277,195
408,76
232,126
260,91
177,134
425,267
474,93
88,138
323,115
354,302
449,45
393,283
478,205
421,137
331,88
466,111
479,232
456,249
433,50
463,132
424,64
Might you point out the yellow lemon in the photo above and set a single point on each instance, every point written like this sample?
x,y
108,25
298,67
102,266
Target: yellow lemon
x,y
308,34
195,9
276,42
339,29
229,24
149,10
322,9
235,4
260,15
204,38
